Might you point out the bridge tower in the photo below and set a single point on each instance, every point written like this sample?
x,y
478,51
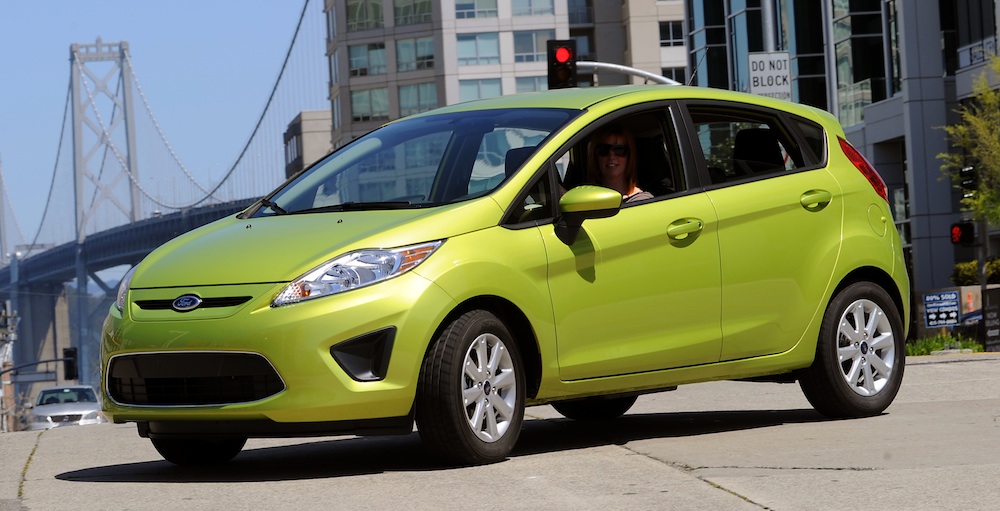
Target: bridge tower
x,y
104,162
103,131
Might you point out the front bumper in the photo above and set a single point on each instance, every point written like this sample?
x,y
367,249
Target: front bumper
x,y
254,363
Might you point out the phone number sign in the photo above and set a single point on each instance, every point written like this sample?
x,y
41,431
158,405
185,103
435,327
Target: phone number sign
x,y
942,309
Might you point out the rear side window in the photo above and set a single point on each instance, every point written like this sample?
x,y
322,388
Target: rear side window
x,y
814,137
742,144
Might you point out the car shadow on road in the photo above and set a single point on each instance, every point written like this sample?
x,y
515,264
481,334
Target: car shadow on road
x,y
352,456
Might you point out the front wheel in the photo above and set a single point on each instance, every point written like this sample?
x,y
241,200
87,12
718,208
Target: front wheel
x,y
198,451
470,398
860,354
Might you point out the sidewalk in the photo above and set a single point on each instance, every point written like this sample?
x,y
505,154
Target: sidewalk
x,y
65,450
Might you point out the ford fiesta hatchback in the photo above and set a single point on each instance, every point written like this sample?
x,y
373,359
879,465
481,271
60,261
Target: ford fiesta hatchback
x,y
453,267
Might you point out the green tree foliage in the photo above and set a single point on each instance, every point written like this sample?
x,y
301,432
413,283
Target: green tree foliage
x,y
967,274
977,140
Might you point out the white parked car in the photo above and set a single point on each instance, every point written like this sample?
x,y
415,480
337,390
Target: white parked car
x,y
72,405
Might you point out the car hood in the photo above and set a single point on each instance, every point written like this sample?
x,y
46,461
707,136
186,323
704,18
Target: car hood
x,y
78,408
283,247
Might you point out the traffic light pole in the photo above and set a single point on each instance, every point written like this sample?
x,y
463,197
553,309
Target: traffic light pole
x,y
38,362
604,66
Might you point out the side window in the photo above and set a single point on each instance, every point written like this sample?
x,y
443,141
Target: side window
x,y
740,144
536,203
814,137
644,143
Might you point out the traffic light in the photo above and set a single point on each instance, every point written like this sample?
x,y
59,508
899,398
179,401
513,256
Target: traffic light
x,y
562,63
963,233
968,180
69,364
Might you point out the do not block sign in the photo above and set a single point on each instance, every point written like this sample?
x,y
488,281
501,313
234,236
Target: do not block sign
x,y
771,74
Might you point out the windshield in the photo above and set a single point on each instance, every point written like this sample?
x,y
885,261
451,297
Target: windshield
x,y
420,162
57,396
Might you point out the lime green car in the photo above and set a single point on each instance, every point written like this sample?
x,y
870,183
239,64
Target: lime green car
x,y
453,267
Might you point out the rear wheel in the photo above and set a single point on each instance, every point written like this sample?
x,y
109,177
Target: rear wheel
x,y
860,354
198,451
470,399
595,408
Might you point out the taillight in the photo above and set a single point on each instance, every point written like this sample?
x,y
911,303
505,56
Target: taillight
x,y
866,168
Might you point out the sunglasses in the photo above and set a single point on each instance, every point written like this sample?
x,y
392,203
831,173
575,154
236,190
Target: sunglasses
x,y
619,150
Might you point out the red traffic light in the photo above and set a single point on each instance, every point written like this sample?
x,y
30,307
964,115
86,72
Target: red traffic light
x,y
963,233
562,63
563,54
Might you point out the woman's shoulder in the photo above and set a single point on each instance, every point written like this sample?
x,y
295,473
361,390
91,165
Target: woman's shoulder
x,y
638,196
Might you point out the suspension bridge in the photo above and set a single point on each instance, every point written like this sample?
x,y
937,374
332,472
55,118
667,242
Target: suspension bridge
x,y
118,190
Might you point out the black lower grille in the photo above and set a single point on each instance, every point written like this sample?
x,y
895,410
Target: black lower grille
x,y
191,379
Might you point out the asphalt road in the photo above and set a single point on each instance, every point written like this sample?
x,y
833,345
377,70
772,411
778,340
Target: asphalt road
x,y
722,445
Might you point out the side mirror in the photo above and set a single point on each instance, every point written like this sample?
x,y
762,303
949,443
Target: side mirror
x,y
581,203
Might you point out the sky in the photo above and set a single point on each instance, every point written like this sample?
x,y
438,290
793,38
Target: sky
x,y
195,60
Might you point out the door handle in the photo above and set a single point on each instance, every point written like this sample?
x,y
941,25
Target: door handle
x,y
815,200
681,229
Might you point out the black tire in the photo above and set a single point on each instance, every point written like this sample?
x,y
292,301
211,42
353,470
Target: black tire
x,y
471,417
595,408
860,354
198,451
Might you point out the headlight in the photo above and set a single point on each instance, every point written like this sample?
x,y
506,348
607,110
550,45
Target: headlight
x,y
354,270
91,416
39,418
123,290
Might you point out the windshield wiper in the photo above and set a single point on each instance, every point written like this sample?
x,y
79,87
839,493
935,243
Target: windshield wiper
x,y
267,203
362,206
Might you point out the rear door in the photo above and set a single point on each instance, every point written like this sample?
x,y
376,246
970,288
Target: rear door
x,y
780,214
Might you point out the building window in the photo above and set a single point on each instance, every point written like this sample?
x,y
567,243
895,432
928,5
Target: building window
x,y
370,105
580,12
479,89
335,68
292,150
409,12
671,33
331,24
364,15
677,74
532,83
860,60
417,98
532,7
413,54
367,59
478,49
335,112
529,46
465,9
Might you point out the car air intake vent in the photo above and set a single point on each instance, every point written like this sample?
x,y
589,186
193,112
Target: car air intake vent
x,y
191,379
205,303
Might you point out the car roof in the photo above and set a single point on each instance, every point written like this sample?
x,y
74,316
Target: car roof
x,y
581,98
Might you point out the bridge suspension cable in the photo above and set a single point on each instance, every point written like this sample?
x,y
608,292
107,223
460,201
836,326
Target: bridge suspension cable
x,y
267,105
159,130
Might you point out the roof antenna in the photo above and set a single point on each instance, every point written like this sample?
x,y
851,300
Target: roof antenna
x,y
694,72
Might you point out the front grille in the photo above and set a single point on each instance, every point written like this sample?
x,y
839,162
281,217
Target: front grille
x,y
191,378
205,303
65,418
